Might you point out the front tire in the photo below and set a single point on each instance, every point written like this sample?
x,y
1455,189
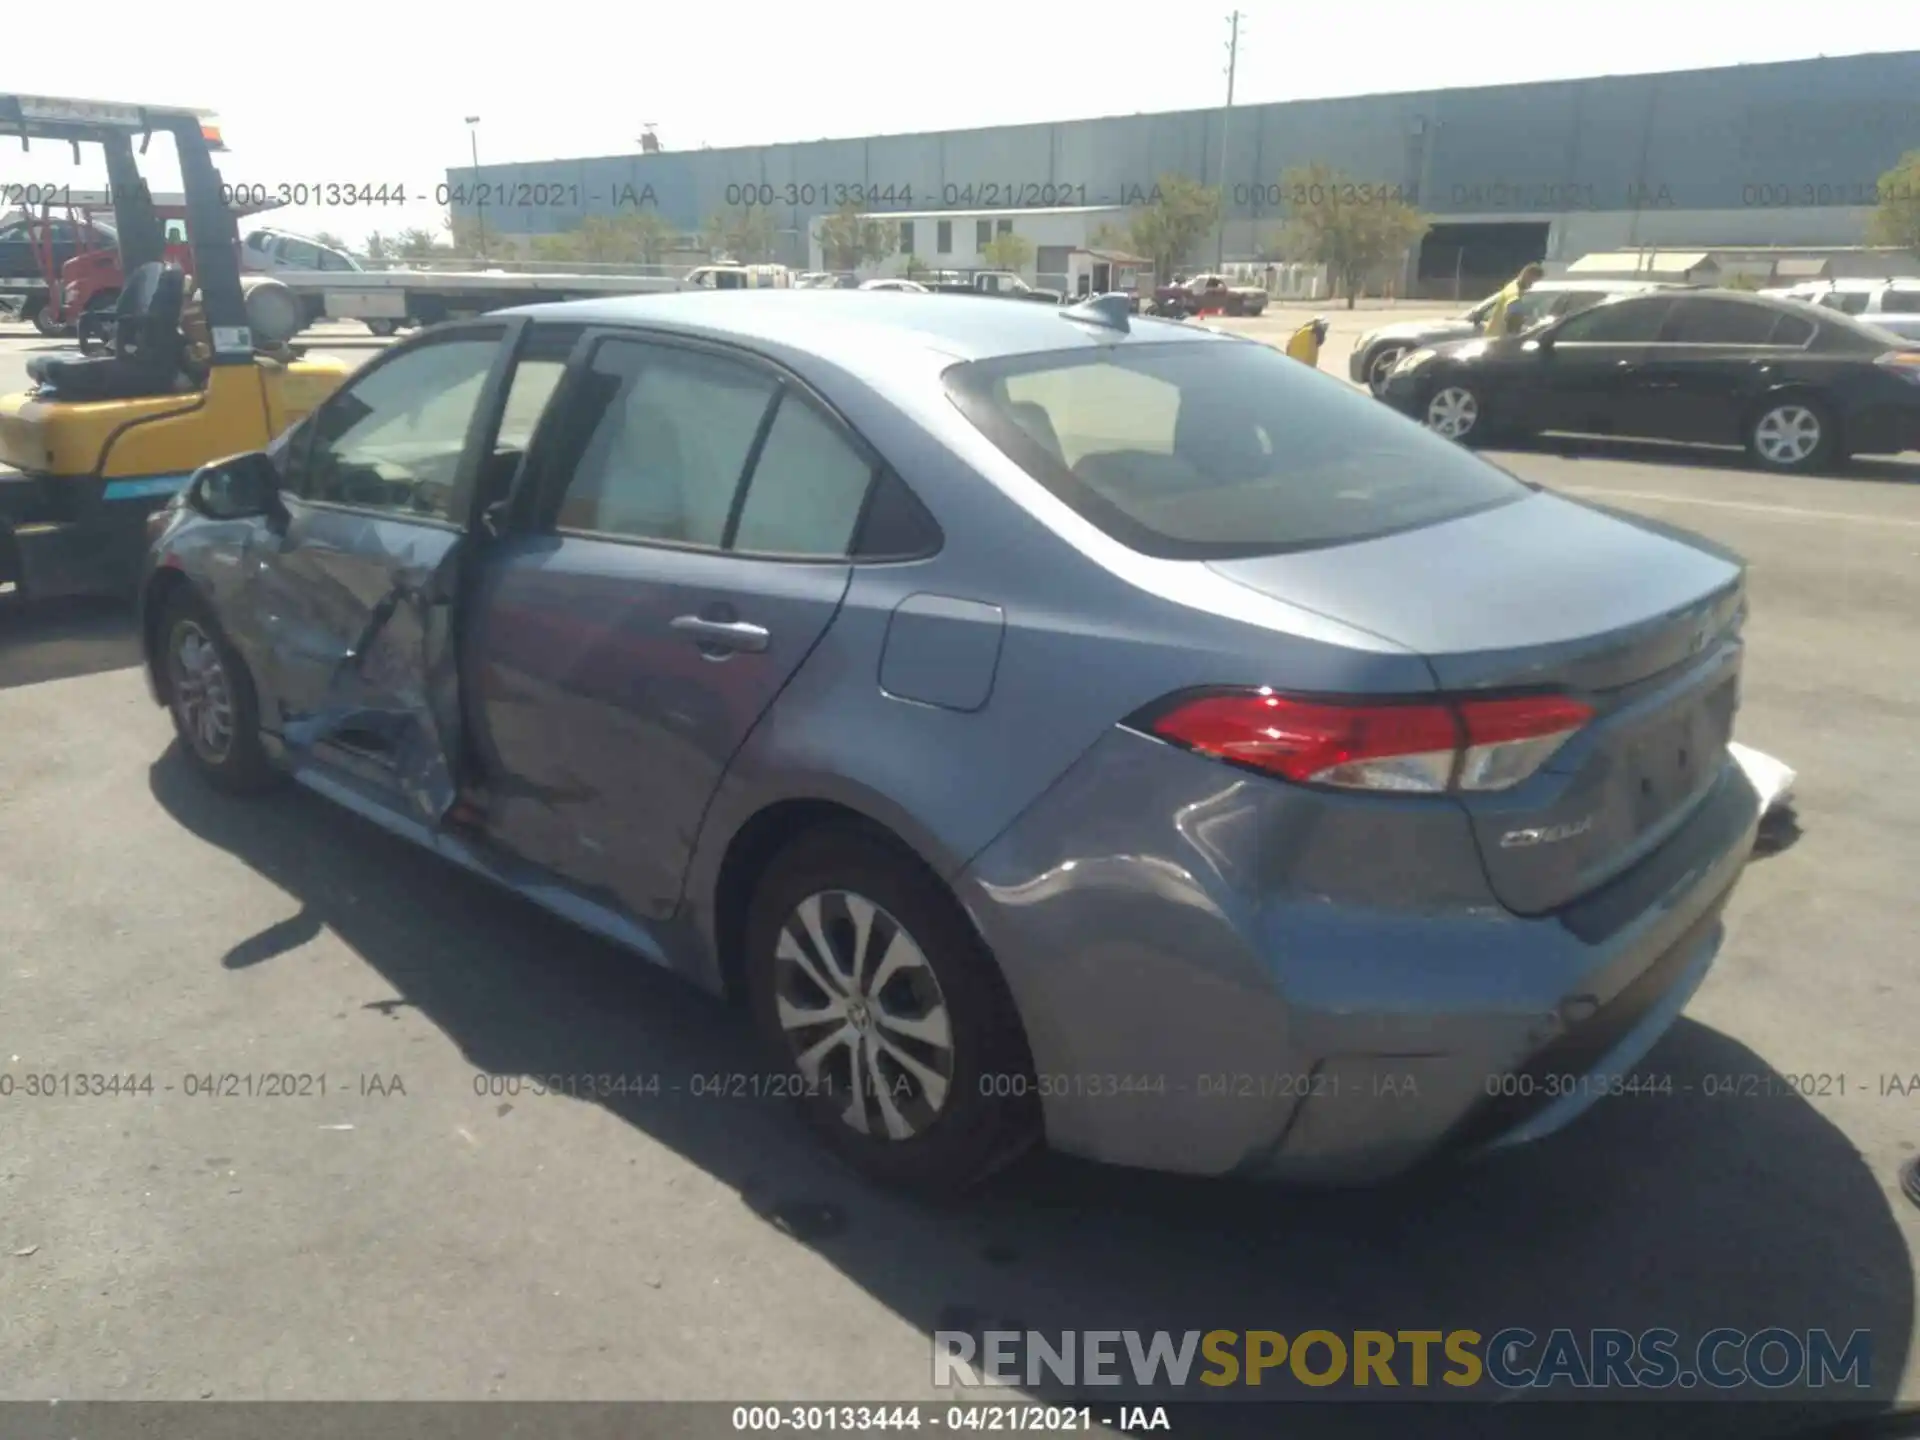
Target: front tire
x,y
871,989
382,328
1457,411
1793,434
210,695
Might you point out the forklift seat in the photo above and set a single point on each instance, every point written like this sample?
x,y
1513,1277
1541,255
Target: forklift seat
x,y
148,347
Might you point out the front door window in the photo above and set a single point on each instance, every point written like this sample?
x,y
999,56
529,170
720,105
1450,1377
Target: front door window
x,y
392,441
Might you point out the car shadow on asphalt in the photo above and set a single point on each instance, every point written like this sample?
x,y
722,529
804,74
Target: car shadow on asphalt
x,y
1868,469
64,639
1703,1207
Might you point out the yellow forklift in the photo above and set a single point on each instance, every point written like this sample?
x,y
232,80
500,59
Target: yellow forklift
x,y
106,436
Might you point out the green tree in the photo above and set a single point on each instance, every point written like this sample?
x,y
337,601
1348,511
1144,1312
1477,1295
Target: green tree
x,y
913,267
417,243
331,240
471,236
849,239
1007,252
1167,230
1346,226
1109,236
1896,219
746,232
641,238
379,248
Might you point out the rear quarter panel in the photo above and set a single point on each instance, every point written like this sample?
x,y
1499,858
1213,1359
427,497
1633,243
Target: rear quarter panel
x,y
1092,633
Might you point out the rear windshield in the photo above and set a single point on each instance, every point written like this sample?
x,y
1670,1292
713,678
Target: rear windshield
x,y
1204,450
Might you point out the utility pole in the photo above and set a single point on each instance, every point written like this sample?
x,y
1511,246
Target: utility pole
x,y
473,141
1226,119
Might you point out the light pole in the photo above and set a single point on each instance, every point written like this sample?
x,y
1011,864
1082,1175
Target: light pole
x,y
473,142
1226,119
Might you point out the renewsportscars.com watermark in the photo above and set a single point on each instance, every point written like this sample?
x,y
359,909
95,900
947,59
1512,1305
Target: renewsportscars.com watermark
x,y
1512,1359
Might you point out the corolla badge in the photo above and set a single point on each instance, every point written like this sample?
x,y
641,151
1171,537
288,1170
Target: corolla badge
x,y
1546,834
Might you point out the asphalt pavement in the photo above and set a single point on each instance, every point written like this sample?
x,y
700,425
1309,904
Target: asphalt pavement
x,y
454,1218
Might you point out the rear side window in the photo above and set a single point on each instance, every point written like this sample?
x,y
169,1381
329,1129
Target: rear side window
x,y
1791,330
1900,302
807,488
1702,320
1204,450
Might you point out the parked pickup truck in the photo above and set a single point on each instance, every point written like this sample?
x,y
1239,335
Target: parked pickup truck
x,y
1191,296
991,282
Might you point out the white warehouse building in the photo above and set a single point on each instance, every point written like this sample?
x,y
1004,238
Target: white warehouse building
x,y
957,239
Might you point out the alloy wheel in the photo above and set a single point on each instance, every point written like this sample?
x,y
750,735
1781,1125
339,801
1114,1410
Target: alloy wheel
x,y
1382,366
864,1014
202,692
1787,435
1453,412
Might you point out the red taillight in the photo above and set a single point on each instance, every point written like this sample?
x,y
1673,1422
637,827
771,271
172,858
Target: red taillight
x,y
1421,746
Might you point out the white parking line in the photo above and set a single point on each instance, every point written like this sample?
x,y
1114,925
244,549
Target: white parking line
x,y
1601,491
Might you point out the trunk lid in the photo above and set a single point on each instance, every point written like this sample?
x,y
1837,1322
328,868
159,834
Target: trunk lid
x,y
1640,620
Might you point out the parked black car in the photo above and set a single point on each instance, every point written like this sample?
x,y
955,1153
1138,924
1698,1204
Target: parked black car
x,y
1801,388
1379,350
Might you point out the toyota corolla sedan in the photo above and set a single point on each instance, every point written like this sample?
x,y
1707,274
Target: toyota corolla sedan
x,y
1051,724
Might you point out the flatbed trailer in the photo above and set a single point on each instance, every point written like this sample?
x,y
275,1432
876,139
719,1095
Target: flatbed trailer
x,y
426,297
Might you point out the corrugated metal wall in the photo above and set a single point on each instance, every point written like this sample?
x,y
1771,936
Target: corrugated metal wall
x,y
1805,133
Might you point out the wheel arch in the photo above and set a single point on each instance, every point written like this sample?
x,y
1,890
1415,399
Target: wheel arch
x,y
157,595
753,846
767,832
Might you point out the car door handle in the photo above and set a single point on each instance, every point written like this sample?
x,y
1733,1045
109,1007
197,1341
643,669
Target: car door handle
x,y
722,634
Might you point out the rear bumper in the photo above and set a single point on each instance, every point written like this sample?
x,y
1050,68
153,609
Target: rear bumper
x,y
1210,1016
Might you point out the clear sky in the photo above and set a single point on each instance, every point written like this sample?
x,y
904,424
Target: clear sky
x,y
366,93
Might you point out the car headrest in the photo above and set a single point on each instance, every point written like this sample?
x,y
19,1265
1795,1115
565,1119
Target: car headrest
x,y
1032,417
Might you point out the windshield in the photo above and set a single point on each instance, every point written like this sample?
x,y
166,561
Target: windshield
x,y
1209,451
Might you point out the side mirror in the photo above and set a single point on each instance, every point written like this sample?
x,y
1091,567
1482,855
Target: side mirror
x,y
237,488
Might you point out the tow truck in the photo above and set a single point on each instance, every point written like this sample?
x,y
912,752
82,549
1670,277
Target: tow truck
x,y
34,244
89,279
388,299
103,440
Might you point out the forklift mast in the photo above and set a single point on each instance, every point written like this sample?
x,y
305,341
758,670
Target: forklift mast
x,y
141,235
210,223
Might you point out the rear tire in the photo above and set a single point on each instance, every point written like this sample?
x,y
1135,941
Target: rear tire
x,y
922,1081
1793,435
43,320
382,328
211,699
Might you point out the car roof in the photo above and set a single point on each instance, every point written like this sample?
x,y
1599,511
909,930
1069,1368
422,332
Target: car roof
x,y
1623,286
847,326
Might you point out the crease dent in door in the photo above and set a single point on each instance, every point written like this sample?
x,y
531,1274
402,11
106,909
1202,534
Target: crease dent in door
x,y
393,692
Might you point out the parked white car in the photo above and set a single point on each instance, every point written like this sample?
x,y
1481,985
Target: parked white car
x,y
912,287
1892,304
